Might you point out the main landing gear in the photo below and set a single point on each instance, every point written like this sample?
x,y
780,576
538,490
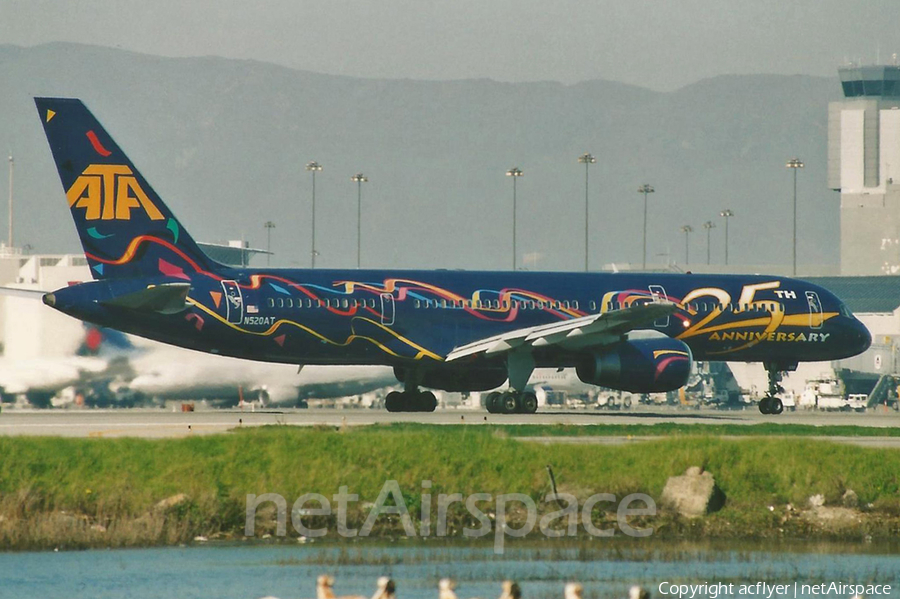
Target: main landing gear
x,y
771,403
411,400
511,402
520,365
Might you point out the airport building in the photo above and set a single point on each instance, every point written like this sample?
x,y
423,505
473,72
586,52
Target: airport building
x,y
864,166
30,329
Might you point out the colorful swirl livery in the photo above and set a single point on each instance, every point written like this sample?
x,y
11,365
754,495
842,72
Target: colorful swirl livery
x,y
451,330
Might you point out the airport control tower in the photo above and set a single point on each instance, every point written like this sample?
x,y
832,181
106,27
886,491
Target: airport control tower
x,y
864,166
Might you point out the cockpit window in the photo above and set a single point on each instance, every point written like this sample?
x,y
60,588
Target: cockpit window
x,y
844,310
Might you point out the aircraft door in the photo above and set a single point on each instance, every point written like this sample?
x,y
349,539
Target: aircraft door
x,y
387,309
815,310
658,293
234,302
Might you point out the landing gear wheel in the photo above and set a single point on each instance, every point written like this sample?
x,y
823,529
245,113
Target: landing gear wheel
x,y
764,404
395,401
776,406
426,402
509,402
528,403
492,403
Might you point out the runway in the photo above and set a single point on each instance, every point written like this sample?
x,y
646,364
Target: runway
x,y
160,423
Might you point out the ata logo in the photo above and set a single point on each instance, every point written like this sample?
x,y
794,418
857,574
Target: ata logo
x,y
109,192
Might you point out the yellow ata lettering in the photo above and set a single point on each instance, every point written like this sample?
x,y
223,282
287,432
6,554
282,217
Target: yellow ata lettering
x,y
109,192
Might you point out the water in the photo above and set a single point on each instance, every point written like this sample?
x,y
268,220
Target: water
x,y
289,571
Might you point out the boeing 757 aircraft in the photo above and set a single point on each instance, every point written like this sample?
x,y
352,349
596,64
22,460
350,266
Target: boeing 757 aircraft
x,y
457,331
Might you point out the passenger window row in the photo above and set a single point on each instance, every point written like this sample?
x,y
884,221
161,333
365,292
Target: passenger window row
x,y
347,303
496,304
343,303
702,307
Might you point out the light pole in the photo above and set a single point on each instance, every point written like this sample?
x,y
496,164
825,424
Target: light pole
x,y
359,179
726,214
9,242
645,189
587,159
269,225
313,167
687,230
794,164
709,226
515,172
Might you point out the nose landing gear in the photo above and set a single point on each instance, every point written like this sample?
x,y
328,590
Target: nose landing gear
x,y
771,403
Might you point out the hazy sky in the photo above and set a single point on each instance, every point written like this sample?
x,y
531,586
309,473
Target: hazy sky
x,y
661,44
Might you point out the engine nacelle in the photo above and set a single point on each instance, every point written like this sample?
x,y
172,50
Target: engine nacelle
x,y
458,379
639,366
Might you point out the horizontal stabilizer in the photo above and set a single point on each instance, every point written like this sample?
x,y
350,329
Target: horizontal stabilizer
x,y
26,293
168,298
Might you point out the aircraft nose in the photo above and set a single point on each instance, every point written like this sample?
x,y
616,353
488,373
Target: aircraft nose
x,y
863,336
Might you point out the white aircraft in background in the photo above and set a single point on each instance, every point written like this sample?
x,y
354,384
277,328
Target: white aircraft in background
x,y
562,387
165,372
109,368
40,379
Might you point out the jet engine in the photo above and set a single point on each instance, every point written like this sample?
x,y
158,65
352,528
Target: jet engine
x,y
639,365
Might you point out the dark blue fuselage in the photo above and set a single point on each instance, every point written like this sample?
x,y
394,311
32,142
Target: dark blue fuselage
x,y
398,317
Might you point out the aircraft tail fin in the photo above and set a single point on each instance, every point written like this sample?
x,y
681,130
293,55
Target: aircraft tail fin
x,y
125,228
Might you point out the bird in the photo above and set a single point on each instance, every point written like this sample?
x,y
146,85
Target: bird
x,y
573,590
386,588
638,592
511,590
445,589
325,589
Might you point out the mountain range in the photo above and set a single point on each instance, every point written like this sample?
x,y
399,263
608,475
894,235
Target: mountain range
x,y
225,142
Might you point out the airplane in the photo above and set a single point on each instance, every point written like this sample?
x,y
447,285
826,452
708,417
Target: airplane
x,y
449,330
165,372
40,379
88,363
105,368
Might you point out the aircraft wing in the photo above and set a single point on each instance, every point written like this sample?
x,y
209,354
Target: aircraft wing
x,y
578,333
